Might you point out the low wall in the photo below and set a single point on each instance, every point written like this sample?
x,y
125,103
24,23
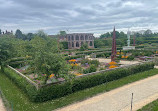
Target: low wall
x,y
22,75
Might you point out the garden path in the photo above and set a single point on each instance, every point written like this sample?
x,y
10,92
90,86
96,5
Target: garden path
x,y
2,107
145,91
123,62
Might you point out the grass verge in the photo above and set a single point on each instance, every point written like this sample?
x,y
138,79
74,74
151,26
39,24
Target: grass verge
x,y
5,101
20,101
153,106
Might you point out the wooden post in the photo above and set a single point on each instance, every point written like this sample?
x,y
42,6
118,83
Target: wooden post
x,y
131,101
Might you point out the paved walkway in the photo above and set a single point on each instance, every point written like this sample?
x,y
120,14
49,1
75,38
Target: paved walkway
x,y
2,108
145,91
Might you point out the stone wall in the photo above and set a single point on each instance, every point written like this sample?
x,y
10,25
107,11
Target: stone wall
x,y
76,40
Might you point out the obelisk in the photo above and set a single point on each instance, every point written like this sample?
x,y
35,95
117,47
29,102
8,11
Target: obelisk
x,y
113,54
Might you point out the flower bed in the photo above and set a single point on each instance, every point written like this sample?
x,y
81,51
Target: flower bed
x,y
48,92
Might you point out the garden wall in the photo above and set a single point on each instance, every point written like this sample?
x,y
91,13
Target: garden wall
x,y
25,77
58,90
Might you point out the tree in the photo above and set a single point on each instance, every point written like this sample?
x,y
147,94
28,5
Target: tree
x,y
0,32
98,43
138,34
4,55
18,34
29,36
41,33
122,35
106,35
50,63
62,33
147,33
84,47
64,44
46,59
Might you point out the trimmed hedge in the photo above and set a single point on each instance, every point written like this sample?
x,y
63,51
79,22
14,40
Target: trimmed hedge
x,y
22,83
92,51
74,57
93,80
106,54
59,90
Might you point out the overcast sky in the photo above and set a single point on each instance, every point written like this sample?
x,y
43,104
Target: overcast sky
x,y
91,16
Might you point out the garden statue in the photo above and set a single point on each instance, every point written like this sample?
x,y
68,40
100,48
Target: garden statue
x,y
128,47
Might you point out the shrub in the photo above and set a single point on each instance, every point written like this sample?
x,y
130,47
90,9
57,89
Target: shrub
x,y
74,57
83,61
103,54
92,68
91,62
130,58
94,62
84,47
156,60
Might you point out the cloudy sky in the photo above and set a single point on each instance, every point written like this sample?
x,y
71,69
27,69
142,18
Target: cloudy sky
x,y
92,16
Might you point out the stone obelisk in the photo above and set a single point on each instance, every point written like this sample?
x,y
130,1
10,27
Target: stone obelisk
x,y
113,54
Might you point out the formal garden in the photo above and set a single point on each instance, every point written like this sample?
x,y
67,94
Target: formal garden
x,y
44,61
44,71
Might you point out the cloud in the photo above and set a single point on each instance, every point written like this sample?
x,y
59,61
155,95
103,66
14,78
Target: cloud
x,y
78,15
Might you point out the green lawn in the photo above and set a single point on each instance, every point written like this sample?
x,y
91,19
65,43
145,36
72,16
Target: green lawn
x,y
150,107
21,103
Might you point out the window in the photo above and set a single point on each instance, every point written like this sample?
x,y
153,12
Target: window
x,y
69,38
91,44
82,37
72,38
77,37
72,44
86,37
77,44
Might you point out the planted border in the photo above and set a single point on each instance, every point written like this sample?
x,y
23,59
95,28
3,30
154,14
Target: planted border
x,y
65,88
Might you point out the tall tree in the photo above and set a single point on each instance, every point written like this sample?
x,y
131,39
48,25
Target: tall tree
x,y
122,35
29,36
147,33
42,34
46,58
18,34
106,35
62,32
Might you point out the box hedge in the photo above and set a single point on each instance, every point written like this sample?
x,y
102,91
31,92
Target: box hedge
x,y
60,90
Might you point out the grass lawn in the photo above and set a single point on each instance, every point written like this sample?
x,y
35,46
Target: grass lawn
x,y
21,103
153,106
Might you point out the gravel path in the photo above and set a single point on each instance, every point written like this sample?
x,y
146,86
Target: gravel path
x,y
2,108
123,62
145,91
